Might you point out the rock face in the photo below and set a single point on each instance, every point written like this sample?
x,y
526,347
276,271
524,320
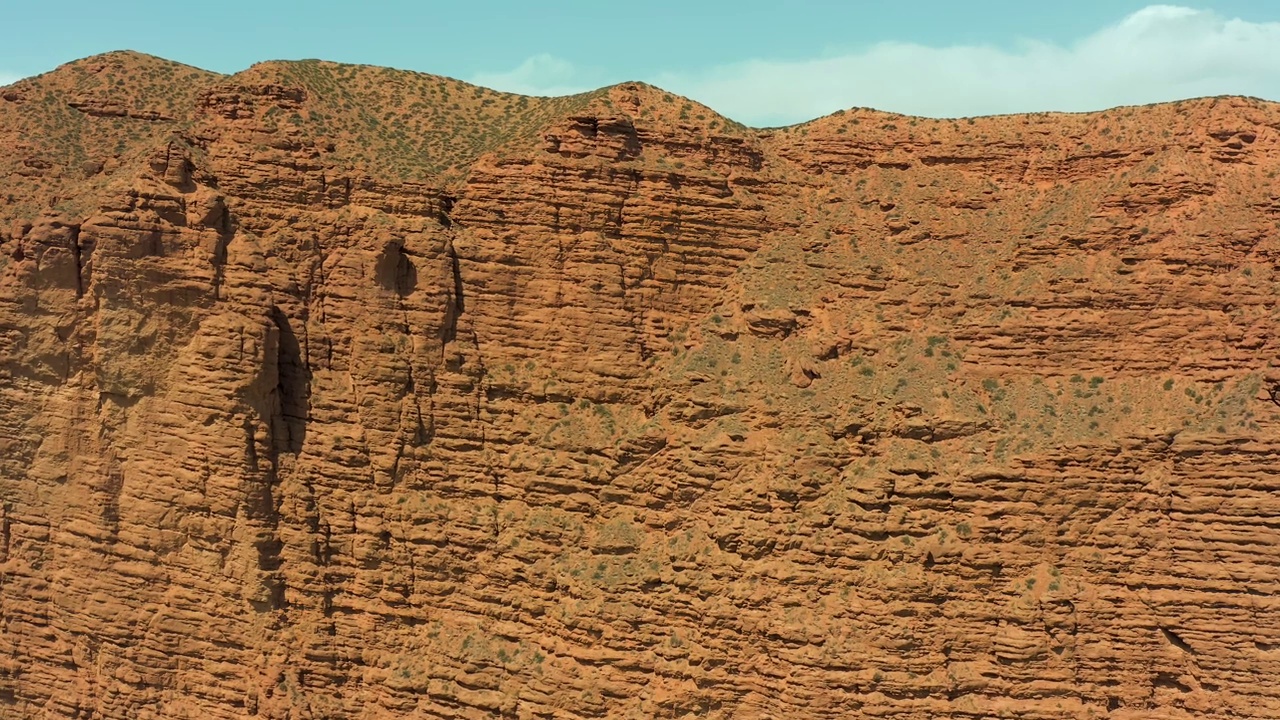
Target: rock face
x,y
339,392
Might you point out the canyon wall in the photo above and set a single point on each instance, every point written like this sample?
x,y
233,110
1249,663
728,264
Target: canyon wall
x,y
340,392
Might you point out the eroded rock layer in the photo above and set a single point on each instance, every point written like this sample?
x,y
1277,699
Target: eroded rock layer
x,y
340,392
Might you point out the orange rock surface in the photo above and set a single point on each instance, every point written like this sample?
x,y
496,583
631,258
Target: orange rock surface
x,y
342,392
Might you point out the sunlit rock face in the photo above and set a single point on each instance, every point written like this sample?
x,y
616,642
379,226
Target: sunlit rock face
x,y
341,392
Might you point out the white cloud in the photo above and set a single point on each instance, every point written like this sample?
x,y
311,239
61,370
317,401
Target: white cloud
x,y
1159,53
8,78
539,75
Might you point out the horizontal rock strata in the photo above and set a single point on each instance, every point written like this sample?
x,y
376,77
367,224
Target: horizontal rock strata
x,y
339,392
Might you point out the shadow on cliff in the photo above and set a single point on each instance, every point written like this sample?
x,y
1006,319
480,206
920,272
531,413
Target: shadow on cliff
x,y
293,387
395,271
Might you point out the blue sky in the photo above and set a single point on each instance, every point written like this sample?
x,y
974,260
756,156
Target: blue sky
x,y
759,62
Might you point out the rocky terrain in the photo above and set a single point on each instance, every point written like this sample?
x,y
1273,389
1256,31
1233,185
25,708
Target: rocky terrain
x,y
341,392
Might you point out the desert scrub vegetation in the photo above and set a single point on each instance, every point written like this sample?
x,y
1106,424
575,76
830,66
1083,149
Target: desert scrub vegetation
x,y
411,126
149,99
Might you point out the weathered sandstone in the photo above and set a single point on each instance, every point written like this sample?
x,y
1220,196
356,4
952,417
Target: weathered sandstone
x,y
337,392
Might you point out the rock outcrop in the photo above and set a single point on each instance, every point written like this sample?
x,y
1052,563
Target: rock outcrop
x,y
342,392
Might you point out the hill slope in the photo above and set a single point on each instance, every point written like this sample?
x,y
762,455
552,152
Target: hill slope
x,y
333,391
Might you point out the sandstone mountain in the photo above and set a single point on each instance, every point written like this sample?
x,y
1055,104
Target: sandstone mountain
x,y
331,391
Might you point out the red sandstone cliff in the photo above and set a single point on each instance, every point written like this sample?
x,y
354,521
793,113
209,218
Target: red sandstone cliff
x,y
341,392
